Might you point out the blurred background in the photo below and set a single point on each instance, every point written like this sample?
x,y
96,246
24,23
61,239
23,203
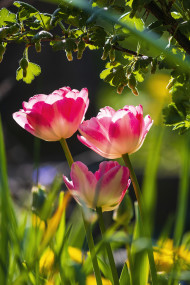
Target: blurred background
x,y
58,72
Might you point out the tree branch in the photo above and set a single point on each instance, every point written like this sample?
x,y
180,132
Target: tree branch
x,y
182,40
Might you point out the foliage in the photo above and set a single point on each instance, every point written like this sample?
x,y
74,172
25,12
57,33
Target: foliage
x,y
150,35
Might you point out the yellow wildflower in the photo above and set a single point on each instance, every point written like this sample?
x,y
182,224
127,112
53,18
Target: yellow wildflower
x,y
165,254
91,280
76,254
47,261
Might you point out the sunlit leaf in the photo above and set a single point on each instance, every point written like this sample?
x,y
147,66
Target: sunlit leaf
x,y
6,16
33,70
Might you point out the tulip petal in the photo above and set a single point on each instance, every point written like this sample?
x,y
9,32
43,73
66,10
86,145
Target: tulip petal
x,y
106,154
55,116
124,132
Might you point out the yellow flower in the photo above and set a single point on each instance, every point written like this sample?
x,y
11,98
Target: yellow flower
x,y
91,280
76,254
165,254
47,261
157,85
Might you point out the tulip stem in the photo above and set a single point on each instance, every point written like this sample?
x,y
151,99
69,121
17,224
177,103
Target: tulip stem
x,y
86,224
142,214
108,247
67,152
92,251
134,182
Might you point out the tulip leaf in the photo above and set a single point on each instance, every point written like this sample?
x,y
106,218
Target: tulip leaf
x,y
138,251
124,277
32,71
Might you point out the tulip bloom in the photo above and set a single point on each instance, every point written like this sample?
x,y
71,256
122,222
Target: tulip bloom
x,y
54,116
105,188
114,133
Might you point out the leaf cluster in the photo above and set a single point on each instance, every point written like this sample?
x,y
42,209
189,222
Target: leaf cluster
x,y
150,35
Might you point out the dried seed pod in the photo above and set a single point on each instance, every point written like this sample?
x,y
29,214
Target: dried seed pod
x,y
81,48
2,51
120,88
69,55
106,51
112,55
38,46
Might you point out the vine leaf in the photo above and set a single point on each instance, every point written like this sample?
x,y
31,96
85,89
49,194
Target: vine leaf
x,y
6,16
33,70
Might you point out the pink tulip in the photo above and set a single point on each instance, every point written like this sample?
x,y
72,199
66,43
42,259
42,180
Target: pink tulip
x,y
105,188
55,116
114,133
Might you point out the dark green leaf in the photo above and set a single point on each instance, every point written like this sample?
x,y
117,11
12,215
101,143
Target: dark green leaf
x,y
171,115
42,35
57,45
27,7
97,36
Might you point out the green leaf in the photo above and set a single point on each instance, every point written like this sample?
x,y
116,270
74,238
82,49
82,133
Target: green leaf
x,y
134,22
32,71
124,277
97,36
57,45
44,19
172,115
27,7
176,15
42,35
139,252
114,75
6,16
25,10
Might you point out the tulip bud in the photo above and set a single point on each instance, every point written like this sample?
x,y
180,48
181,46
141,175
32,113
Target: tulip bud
x,y
106,51
38,199
81,48
112,55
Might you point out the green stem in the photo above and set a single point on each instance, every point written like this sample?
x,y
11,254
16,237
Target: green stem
x,y
108,247
67,152
134,182
86,225
131,267
142,213
183,194
92,251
